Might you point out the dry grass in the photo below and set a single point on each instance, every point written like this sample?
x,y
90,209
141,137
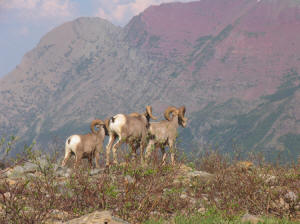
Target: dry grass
x,y
136,193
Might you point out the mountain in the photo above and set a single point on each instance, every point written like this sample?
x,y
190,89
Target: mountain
x,y
235,65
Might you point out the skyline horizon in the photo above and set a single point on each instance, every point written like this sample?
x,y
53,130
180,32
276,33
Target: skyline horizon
x,y
25,22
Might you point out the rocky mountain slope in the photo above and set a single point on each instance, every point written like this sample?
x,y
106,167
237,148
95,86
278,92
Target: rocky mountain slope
x,y
234,64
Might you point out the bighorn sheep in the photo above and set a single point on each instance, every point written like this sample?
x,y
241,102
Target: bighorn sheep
x,y
164,133
86,146
131,129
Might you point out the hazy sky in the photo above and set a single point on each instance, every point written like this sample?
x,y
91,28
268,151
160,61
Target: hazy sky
x,y
24,22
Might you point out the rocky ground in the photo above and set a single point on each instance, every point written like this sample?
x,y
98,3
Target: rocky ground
x,y
38,190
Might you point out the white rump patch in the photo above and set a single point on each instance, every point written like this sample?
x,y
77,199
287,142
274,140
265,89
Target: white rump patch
x,y
73,141
119,121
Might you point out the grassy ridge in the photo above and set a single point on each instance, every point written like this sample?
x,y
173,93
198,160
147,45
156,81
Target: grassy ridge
x,y
155,193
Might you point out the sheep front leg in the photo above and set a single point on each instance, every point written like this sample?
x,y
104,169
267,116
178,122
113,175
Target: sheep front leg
x,y
97,155
133,146
149,149
172,150
108,147
143,146
78,157
164,155
90,158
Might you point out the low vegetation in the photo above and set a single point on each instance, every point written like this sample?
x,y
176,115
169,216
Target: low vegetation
x,y
152,194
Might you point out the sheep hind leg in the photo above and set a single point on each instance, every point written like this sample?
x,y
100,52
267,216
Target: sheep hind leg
x,y
143,146
164,155
97,155
115,147
67,157
112,138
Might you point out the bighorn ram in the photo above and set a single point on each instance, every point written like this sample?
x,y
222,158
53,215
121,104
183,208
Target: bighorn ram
x,y
131,129
86,146
164,133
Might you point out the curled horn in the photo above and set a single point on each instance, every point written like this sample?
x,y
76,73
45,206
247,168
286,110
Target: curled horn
x,y
182,112
168,111
94,123
149,111
134,114
106,125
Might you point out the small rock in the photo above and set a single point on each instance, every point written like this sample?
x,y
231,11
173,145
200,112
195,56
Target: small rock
x,y
129,179
186,174
16,172
30,167
193,201
248,218
97,217
185,168
33,166
31,175
64,189
7,195
269,179
201,210
291,197
63,172
43,162
183,196
272,180
3,173
55,166
155,213
282,202
96,171
58,215
201,174
205,196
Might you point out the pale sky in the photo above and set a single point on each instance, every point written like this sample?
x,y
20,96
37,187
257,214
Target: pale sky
x,y
24,22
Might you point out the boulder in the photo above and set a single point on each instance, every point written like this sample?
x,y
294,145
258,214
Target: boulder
x,y
187,174
63,172
96,171
16,172
101,217
129,179
290,197
248,218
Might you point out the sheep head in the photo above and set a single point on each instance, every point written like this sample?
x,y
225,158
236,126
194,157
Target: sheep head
x,y
176,112
182,119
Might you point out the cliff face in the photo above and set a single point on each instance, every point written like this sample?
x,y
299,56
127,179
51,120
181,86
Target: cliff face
x,y
235,65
